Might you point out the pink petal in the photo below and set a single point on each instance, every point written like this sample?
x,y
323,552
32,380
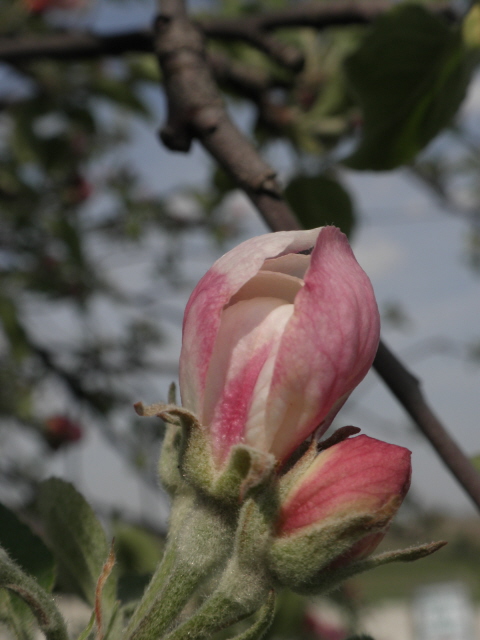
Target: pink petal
x,y
247,340
213,292
357,476
327,347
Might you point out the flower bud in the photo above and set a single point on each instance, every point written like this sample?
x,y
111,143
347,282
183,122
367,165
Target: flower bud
x,y
61,430
339,508
275,337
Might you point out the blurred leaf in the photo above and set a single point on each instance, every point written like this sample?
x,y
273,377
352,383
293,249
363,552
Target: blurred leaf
x,y
17,616
471,27
119,92
13,328
476,462
411,74
321,200
289,621
77,539
137,550
26,549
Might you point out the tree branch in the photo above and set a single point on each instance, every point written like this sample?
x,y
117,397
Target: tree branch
x,y
196,110
252,29
73,45
317,15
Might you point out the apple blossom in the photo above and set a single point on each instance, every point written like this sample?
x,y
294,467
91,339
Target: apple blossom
x,y
276,335
338,508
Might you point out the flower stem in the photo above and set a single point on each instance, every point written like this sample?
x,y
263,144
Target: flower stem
x,y
238,596
200,540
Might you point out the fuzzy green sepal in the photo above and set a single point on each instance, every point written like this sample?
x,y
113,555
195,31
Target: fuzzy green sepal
x,y
295,559
187,456
247,470
254,531
169,462
329,579
287,480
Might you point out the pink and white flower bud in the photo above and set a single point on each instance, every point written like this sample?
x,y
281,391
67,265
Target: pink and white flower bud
x,y
275,337
342,504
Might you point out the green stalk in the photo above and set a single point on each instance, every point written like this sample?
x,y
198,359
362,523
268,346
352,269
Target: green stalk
x,y
200,540
240,594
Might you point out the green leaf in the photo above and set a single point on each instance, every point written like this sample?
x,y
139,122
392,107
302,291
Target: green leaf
x,y
26,549
13,329
471,27
476,462
77,538
410,75
321,200
119,92
40,602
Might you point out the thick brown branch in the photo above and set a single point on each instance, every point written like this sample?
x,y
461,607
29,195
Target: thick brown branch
x,y
196,110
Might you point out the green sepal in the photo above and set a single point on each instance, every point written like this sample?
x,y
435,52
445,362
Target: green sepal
x,y
169,462
188,457
180,424
247,470
297,558
330,579
254,531
287,480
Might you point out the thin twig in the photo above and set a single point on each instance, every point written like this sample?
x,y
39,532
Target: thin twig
x,y
252,29
318,15
73,45
197,111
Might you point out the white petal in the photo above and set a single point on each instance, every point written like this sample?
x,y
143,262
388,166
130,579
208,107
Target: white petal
x,y
267,284
247,333
256,432
294,264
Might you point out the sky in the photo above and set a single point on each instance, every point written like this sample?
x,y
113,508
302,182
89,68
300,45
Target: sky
x,y
414,253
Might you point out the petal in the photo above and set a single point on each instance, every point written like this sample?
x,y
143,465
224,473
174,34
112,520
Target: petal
x,y
269,285
249,333
294,264
357,476
327,347
213,292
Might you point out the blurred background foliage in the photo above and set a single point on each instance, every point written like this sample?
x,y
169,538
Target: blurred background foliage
x,y
74,214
